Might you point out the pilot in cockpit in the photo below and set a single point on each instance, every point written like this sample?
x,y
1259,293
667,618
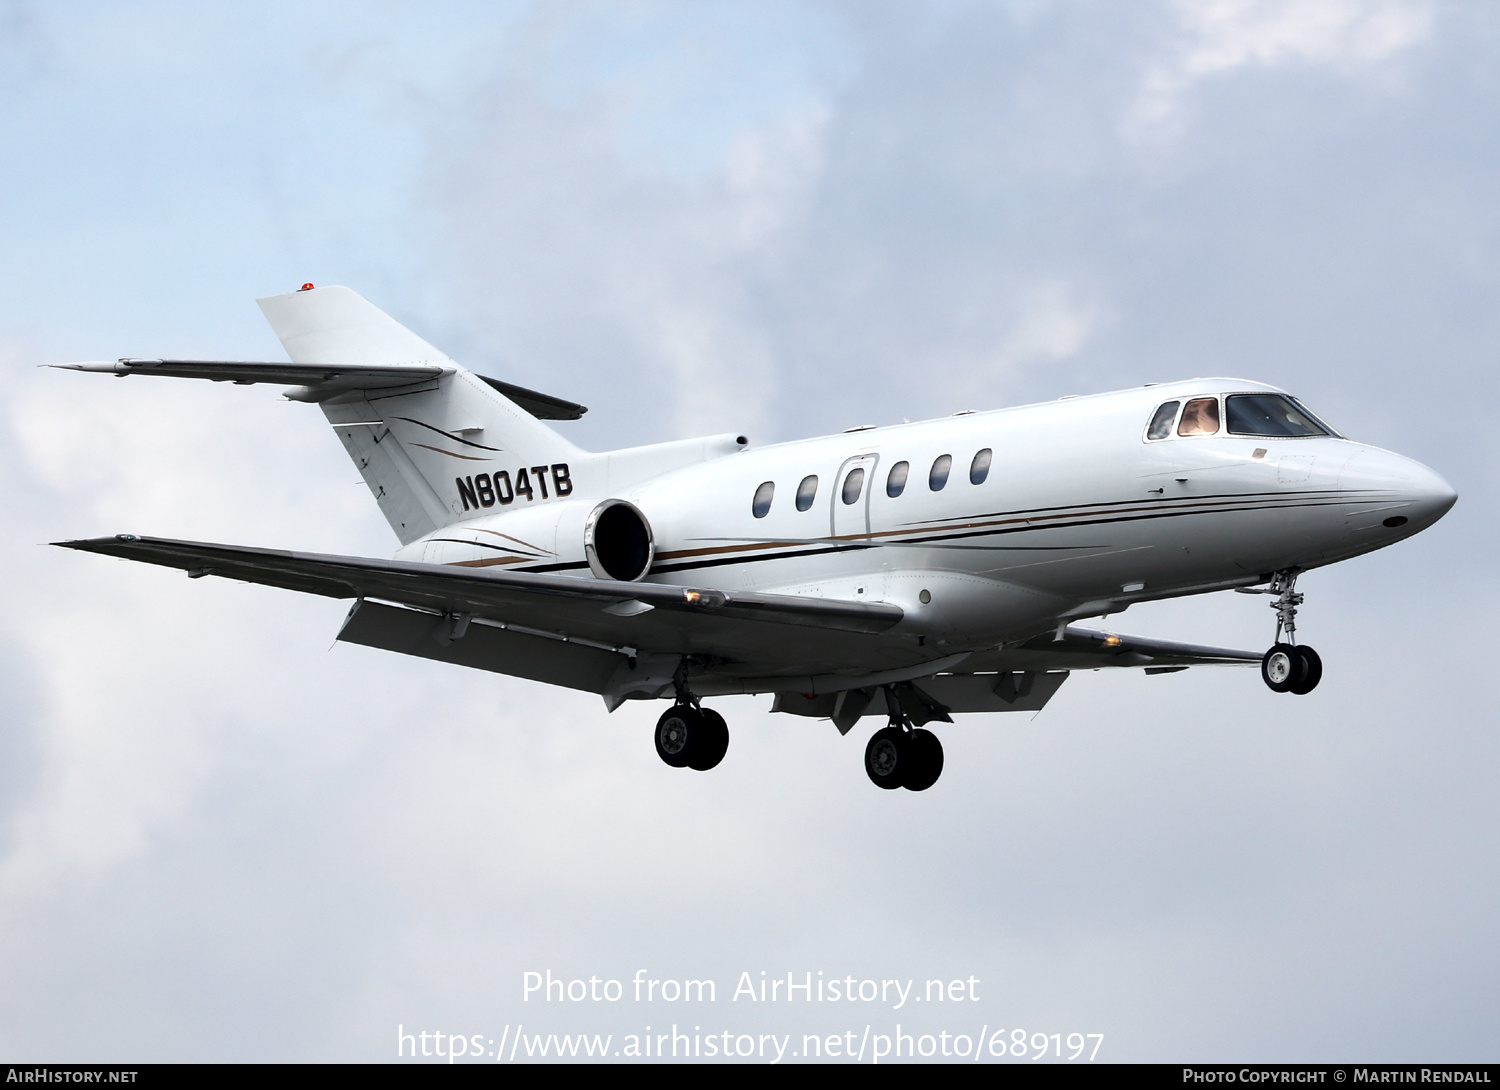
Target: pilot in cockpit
x,y
1200,417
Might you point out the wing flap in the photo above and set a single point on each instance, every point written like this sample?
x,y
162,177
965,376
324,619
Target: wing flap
x,y
957,693
482,647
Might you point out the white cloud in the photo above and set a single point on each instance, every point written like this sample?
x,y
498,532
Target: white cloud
x,y
1219,36
1052,325
566,254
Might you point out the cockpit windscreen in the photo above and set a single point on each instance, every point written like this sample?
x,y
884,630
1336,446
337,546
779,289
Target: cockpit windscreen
x,y
1270,415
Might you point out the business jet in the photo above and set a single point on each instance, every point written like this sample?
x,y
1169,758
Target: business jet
x,y
912,571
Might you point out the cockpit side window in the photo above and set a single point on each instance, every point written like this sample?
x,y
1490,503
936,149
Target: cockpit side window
x,y
1270,415
1200,417
1161,423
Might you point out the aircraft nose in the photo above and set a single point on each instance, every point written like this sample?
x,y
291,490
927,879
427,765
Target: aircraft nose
x,y
1432,496
1403,492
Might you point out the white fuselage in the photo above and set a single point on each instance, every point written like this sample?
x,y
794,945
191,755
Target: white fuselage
x,y
1078,514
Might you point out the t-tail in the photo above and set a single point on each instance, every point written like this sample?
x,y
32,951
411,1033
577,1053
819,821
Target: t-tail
x,y
436,448
435,442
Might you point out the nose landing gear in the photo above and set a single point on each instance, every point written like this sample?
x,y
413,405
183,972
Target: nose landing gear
x,y
902,755
1288,667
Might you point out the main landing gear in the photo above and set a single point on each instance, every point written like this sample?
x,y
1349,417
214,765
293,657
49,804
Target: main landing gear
x,y
689,735
1288,667
903,755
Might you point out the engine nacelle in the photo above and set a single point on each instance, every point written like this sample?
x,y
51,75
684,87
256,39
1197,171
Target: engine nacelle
x,y
617,541
611,539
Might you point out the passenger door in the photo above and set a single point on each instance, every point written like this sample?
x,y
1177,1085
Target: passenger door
x,y
851,497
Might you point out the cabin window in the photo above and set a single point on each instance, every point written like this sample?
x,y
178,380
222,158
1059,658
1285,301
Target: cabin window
x,y
1271,415
761,505
853,484
895,484
939,475
979,468
806,491
1161,423
1200,417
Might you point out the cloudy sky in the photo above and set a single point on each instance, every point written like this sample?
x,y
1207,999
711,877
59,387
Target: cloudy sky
x,y
221,838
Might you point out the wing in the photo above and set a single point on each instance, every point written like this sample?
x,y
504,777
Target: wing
x,y
646,626
1086,649
1010,679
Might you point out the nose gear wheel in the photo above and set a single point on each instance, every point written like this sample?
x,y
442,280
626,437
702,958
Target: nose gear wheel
x,y
1312,671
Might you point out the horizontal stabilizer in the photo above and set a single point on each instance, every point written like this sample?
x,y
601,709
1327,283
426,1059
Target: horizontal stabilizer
x,y
245,373
324,380
541,406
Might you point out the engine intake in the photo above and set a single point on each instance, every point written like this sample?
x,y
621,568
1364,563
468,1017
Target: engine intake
x,y
617,541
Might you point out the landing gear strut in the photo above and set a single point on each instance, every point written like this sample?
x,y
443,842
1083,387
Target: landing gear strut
x,y
902,755
1288,667
689,735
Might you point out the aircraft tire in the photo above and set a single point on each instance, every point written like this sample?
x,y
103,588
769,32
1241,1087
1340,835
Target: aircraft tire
x,y
1312,671
885,758
707,748
1281,668
924,760
676,733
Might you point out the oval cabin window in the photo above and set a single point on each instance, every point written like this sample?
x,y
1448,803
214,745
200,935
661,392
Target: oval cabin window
x,y
761,505
853,485
940,470
979,468
807,491
895,483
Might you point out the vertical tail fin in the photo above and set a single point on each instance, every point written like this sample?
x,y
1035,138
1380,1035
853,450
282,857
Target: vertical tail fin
x,y
337,325
432,453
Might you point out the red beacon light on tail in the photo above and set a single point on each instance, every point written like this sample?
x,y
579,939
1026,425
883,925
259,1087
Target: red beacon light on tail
x,y
305,287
